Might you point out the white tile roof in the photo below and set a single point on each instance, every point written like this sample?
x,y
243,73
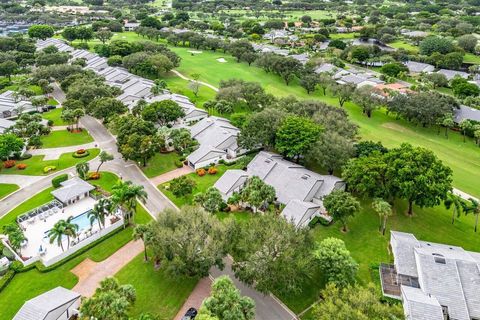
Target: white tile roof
x,y
419,306
71,189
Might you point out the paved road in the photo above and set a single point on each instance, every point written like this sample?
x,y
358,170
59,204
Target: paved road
x,y
266,306
55,153
464,195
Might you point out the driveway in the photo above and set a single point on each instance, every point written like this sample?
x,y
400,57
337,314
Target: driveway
x,y
201,291
267,307
167,176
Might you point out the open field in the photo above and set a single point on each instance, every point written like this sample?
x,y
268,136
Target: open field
x,y
36,164
6,189
64,138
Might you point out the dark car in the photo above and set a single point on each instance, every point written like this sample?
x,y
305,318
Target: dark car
x,y
190,314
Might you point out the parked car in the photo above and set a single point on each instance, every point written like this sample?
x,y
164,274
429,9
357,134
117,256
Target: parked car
x,y
190,314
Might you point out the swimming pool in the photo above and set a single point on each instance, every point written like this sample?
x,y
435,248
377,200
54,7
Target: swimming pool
x,y
82,221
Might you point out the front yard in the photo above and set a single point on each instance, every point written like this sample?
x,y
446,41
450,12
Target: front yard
x,y
160,163
36,164
55,116
64,138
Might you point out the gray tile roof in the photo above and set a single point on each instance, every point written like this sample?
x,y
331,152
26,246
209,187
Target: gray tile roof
x,y
420,306
229,179
450,74
5,124
448,273
466,113
418,67
300,212
71,189
49,305
327,67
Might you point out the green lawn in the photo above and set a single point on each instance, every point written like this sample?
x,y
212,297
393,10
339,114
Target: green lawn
x,y
157,292
6,189
203,183
180,86
29,284
55,116
343,36
64,138
404,45
52,102
471,58
160,163
36,164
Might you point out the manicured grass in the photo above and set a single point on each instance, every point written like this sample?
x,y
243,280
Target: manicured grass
x,y
31,283
36,164
347,36
157,292
64,138
180,86
160,163
240,216
6,189
404,45
55,116
52,102
203,183
471,58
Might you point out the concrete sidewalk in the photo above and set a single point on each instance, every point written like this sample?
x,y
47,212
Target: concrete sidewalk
x,y
54,153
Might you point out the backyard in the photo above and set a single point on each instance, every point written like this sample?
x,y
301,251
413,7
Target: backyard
x,y
28,284
36,164
64,138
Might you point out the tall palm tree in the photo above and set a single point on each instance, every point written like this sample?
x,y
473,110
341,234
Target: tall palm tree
x,y
141,232
125,195
70,230
82,169
100,211
472,207
57,233
455,202
384,210
158,87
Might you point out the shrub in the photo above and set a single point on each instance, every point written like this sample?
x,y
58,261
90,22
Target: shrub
x,y
48,169
21,166
59,179
82,153
178,163
318,220
9,163
201,172
16,266
212,170
94,176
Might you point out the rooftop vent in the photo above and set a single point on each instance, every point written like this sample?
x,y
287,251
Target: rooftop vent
x,y
305,176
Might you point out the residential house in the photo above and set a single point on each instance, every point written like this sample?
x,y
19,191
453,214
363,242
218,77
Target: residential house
x,y
217,139
264,48
302,58
466,113
192,113
360,80
414,34
434,281
56,304
5,124
328,68
11,106
131,26
384,89
450,74
415,67
72,190
300,189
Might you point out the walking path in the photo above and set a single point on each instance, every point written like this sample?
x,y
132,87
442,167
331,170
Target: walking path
x,y
201,82
171,175
201,291
464,195
91,273
59,128
54,153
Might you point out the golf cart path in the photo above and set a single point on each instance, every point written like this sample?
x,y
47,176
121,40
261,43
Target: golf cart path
x,y
91,273
201,82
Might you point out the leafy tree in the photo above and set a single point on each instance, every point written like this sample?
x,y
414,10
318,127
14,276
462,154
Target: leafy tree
x,y
226,302
189,241
472,206
364,96
465,125
366,148
331,151
142,232
393,69
125,194
309,82
455,203
159,86
433,44
260,129
8,68
418,176
182,139
257,193
104,156
271,254
384,210
325,81
110,301
104,108
139,148
182,186
467,42
356,302
462,88
448,123
341,206
40,31
163,112
9,145
239,48
335,262
287,68
437,79
211,200
344,92
296,135
337,43
82,169
104,35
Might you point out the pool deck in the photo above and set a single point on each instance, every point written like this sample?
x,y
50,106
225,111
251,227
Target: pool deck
x,y
35,232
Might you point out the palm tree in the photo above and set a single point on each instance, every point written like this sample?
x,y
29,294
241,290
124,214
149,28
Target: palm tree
x,y
104,157
100,210
82,169
384,210
474,207
158,87
125,195
77,114
455,202
70,230
57,233
141,232
465,125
